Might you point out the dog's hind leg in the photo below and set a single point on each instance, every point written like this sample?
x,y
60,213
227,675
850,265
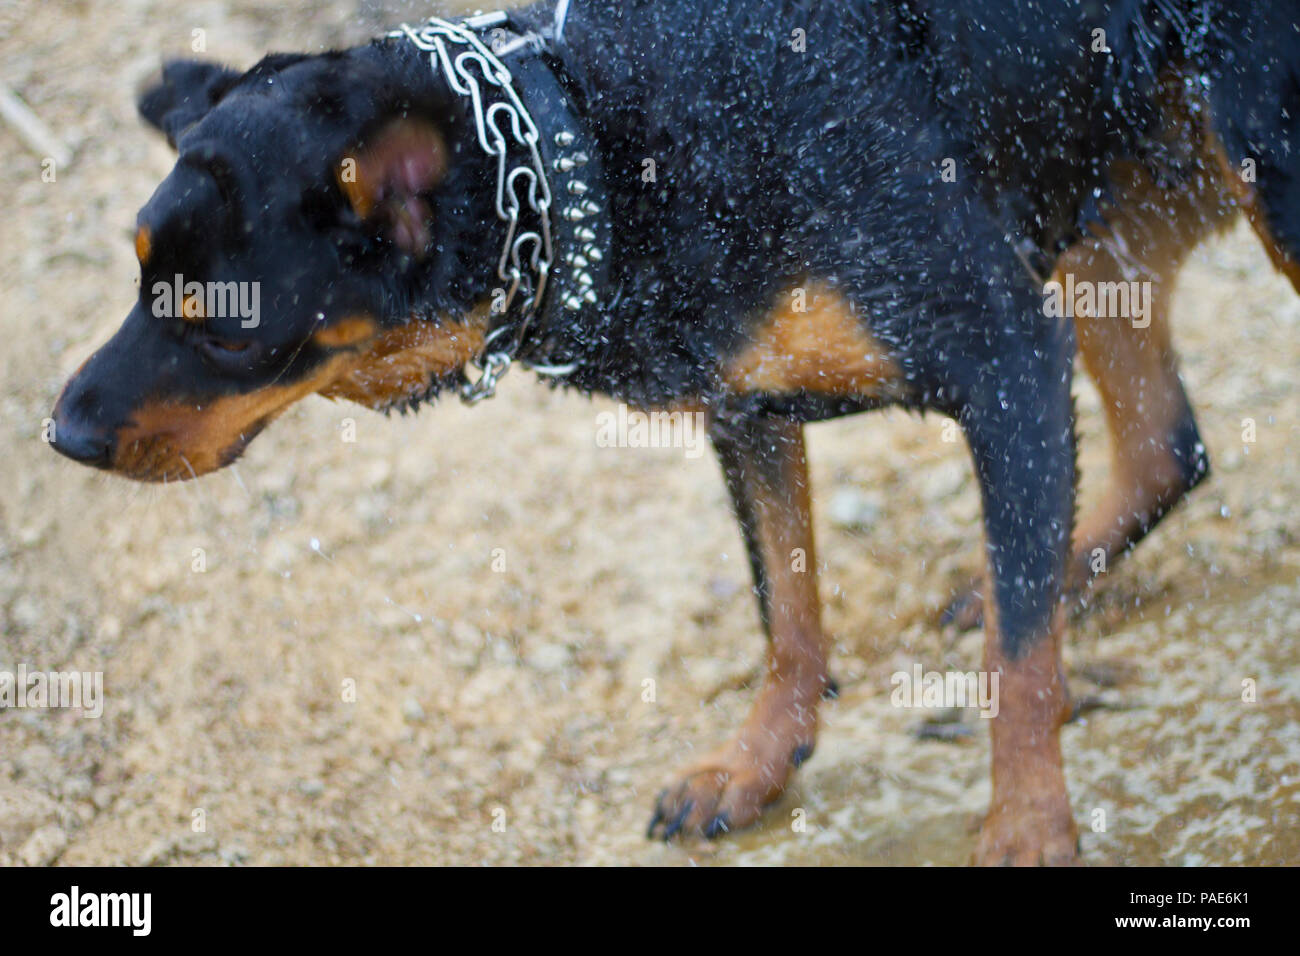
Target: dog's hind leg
x,y
1157,456
765,467
1254,122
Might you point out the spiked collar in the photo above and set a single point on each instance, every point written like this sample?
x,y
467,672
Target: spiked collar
x,y
550,185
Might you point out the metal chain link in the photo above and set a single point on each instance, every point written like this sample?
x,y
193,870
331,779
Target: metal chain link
x,y
522,271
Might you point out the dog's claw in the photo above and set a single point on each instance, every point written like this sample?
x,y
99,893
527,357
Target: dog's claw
x,y
718,826
658,815
672,829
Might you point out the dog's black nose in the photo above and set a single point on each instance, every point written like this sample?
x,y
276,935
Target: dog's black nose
x,y
82,442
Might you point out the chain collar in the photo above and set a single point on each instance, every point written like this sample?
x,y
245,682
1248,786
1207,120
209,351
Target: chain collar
x,y
510,133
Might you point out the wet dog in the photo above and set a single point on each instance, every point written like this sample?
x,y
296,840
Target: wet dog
x,y
771,211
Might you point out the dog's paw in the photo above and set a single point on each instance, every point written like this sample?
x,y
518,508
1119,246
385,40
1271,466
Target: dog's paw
x,y
1037,835
729,789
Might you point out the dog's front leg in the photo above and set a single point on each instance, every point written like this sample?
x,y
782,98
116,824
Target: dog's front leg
x,y
766,470
1021,434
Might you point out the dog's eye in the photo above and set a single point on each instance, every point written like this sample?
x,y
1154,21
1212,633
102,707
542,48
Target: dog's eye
x,y
225,352
227,345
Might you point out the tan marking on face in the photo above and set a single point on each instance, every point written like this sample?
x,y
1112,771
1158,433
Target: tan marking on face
x,y
192,309
399,364
173,440
176,440
360,192
143,245
346,332
824,349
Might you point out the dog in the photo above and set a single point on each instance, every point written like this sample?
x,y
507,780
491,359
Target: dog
x,y
771,211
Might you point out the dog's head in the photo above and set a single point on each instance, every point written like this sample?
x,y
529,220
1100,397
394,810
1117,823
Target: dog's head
x,y
322,231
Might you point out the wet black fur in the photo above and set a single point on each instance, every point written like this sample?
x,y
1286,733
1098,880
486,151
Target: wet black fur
x,y
773,167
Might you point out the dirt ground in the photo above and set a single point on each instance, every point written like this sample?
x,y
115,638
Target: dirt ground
x,y
485,694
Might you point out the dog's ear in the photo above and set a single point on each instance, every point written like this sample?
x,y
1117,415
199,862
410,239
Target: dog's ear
x,y
182,94
387,176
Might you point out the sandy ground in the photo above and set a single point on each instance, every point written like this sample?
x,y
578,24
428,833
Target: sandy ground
x,y
514,694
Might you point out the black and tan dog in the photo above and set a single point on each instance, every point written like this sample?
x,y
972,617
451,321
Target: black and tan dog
x,y
773,211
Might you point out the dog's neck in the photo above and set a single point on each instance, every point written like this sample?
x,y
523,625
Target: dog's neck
x,y
551,192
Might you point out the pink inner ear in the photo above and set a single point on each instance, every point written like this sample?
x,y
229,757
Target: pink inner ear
x,y
404,159
417,172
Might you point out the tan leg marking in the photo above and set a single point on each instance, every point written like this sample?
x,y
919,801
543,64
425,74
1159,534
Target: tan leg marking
x,y
1029,821
1244,195
729,788
1150,234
